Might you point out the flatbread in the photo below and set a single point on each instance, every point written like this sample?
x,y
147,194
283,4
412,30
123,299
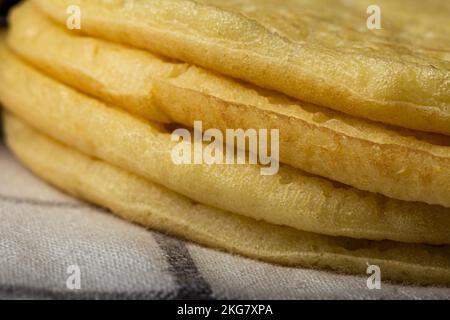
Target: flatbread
x,y
91,67
156,207
400,164
292,198
318,51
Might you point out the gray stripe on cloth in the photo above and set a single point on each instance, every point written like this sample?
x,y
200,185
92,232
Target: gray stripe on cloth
x,y
29,293
191,284
43,203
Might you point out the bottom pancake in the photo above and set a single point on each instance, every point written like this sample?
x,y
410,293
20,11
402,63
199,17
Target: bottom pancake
x,y
154,206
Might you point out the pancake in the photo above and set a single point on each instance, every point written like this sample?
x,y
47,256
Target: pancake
x,y
154,206
317,51
292,198
102,76
400,164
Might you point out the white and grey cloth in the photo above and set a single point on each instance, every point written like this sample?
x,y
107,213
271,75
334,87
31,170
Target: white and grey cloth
x,y
44,234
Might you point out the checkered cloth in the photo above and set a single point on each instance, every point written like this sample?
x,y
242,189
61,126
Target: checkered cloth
x,y
44,232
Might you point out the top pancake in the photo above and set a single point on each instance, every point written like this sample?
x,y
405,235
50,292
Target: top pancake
x,y
317,51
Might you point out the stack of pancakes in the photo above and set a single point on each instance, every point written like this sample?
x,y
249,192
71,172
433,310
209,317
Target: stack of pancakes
x,y
363,117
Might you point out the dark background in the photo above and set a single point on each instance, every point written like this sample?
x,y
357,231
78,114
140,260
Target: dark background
x,y
4,6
